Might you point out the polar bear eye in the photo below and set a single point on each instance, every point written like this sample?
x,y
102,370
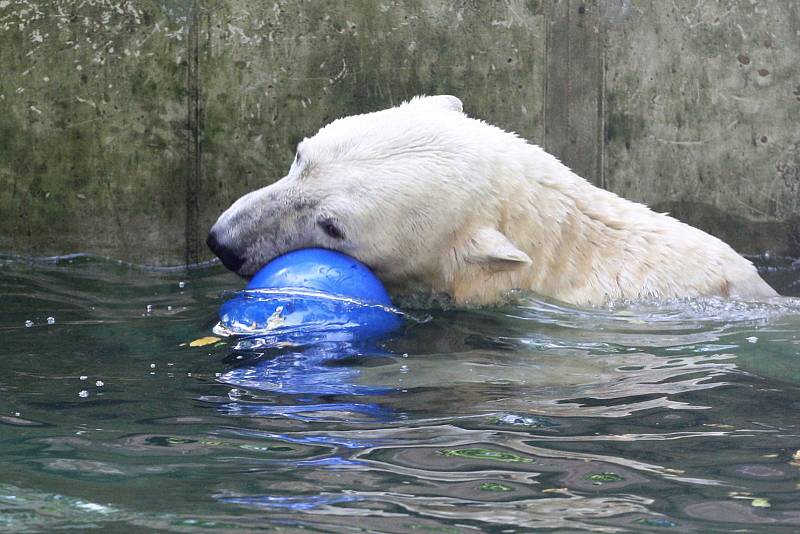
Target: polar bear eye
x,y
330,228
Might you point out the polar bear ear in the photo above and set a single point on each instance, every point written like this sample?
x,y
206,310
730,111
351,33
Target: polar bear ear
x,y
492,248
446,102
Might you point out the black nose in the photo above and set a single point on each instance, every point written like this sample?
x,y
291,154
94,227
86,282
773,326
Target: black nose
x,y
229,258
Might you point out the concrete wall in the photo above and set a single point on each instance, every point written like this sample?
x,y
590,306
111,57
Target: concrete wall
x,y
126,127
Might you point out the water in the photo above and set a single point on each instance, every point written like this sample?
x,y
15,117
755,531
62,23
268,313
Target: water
x,y
679,417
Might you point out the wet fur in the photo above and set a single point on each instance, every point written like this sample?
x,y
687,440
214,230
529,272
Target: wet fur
x,y
435,201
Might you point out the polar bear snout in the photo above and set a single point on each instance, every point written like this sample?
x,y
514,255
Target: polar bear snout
x,y
225,252
262,225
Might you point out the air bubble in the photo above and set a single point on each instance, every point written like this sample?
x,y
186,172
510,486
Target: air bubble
x,y
28,323
51,320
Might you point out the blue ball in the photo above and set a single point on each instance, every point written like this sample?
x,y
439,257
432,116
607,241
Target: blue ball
x,y
311,291
322,270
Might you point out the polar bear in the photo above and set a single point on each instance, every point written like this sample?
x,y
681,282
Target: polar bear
x,y
437,202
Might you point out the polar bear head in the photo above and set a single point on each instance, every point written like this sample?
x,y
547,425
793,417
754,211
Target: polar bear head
x,y
411,191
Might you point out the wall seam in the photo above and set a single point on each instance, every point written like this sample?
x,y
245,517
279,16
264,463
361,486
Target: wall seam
x,y
601,105
194,152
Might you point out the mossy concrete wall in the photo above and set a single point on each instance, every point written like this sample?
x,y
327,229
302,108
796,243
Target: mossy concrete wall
x,y
126,127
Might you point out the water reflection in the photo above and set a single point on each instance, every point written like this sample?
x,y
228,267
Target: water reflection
x,y
540,363
326,365
305,367
535,416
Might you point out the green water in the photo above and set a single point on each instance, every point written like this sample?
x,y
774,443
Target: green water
x,y
682,417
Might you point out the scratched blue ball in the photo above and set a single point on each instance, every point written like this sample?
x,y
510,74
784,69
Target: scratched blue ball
x,y
310,291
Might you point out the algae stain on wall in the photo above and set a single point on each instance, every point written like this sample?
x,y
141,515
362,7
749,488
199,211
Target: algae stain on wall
x,y
710,85
92,122
699,107
274,73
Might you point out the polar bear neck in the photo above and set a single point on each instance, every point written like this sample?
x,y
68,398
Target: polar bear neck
x,y
590,246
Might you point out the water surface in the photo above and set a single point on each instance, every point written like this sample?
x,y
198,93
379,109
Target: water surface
x,y
678,417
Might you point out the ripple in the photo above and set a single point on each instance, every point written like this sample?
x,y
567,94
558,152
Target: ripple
x,y
531,417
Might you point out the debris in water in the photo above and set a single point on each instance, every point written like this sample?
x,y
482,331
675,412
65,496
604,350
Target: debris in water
x,y
51,320
495,486
82,377
486,454
674,471
181,284
99,383
203,341
603,478
656,522
83,393
556,490
760,503
276,319
28,323
533,421
752,339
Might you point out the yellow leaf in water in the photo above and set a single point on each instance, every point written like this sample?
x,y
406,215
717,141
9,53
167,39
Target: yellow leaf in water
x,y
760,503
203,341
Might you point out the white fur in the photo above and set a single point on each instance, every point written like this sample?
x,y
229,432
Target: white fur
x,y
436,201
